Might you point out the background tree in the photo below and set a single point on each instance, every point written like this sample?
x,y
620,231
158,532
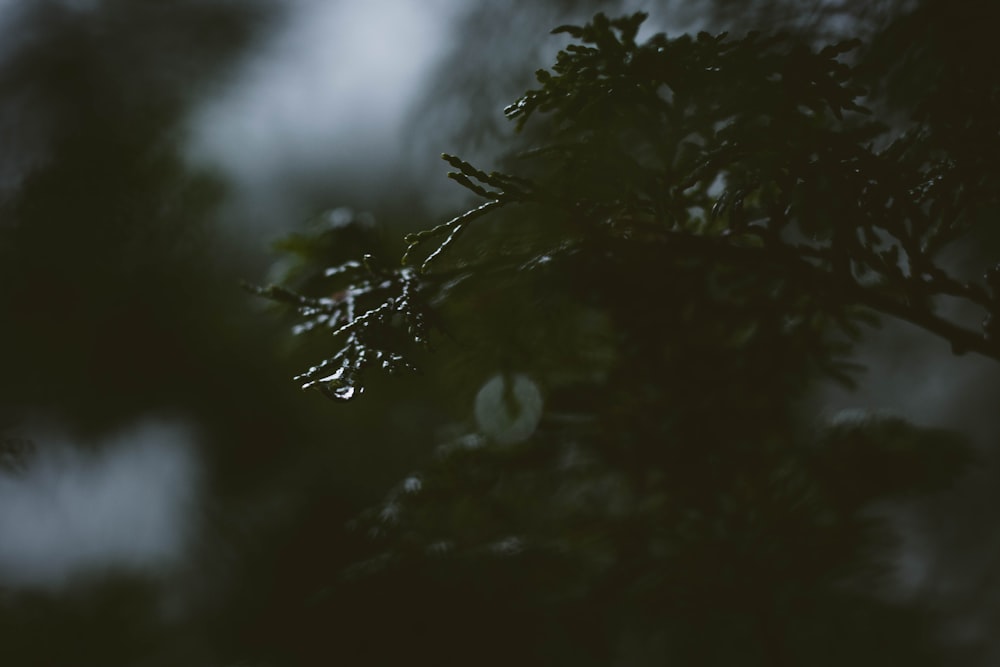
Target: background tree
x,y
116,289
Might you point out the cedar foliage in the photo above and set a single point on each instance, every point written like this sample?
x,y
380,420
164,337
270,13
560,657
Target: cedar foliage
x,y
692,233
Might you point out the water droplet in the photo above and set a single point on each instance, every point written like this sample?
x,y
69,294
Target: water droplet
x,y
509,546
439,548
341,392
340,385
336,375
340,217
508,409
471,441
389,513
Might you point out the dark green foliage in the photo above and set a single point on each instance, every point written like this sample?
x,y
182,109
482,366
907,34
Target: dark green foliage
x,y
110,624
704,228
642,138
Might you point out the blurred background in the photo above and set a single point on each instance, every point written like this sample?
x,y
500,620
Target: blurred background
x,y
167,494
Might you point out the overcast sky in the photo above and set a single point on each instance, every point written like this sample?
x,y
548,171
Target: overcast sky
x,y
323,98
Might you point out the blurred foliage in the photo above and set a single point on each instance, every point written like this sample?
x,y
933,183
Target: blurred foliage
x,y
657,275
702,228
106,253
117,300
